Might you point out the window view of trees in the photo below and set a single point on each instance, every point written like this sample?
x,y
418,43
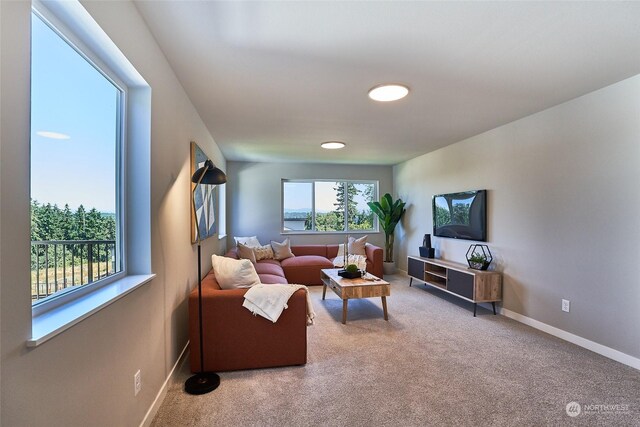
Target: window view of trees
x,y
49,222
69,248
339,206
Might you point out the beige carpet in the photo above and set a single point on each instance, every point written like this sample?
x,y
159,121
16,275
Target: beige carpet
x,y
432,363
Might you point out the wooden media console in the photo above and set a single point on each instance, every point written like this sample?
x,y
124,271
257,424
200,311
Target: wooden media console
x,y
457,279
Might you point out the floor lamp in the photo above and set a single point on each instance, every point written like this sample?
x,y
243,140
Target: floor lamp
x,y
203,382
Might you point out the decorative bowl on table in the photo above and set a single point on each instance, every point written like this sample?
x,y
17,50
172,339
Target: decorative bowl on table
x,y
350,274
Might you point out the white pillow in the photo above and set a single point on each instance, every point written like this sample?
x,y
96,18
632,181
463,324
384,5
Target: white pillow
x,y
356,246
281,250
340,250
245,252
251,241
234,273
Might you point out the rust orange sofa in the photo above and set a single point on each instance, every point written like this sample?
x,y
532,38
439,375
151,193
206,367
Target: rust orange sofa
x,y
234,338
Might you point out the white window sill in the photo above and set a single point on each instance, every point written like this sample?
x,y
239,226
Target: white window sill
x,y
355,232
222,236
53,322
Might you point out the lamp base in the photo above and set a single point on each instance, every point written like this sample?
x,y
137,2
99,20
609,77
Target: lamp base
x,y
202,383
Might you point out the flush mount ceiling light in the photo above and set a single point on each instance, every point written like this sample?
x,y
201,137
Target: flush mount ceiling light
x,y
388,92
332,145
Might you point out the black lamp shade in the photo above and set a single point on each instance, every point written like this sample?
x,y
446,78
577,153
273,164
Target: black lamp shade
x,y
210,174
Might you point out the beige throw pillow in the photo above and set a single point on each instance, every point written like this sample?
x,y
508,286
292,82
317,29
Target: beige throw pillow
x,y
245,252
263,252
281,250
234,273
356,246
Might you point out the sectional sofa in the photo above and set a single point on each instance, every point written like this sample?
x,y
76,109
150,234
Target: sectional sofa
x,y
234,339
304,268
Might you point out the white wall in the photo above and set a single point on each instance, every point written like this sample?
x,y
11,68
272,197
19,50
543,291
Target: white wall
x,y
254,207
84,376
563,211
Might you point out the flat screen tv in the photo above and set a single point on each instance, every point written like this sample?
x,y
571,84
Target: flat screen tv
x,y
461,215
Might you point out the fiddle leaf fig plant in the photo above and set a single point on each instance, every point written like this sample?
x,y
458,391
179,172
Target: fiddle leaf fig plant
x,y
389,213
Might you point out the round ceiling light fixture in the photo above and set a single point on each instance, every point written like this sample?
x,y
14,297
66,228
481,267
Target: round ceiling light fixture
x,y
388,92
332,145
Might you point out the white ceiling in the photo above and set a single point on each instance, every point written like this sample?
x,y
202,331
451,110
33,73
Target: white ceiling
x,y
272,80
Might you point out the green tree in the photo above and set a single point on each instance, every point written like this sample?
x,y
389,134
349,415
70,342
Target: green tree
x,y
347,199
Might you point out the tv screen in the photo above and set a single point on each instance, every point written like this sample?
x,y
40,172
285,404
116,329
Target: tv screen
x,y
461,215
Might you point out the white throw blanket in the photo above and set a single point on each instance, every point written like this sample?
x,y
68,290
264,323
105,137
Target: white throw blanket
x,y
359,260
269,301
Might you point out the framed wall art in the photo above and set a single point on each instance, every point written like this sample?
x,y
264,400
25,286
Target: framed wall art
x,y
204,215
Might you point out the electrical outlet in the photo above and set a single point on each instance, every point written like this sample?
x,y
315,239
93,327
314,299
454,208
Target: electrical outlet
x,y
137,383
565,305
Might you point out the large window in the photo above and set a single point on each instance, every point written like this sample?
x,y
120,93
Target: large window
x,y
326,206
76,167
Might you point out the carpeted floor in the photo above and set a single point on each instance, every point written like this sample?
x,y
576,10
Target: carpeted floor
x,y
432,363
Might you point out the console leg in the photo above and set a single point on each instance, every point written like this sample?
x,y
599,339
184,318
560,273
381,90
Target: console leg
x,y
493,303
475,305
410,281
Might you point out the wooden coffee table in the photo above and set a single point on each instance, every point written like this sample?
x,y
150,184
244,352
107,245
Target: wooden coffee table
x,y
368,287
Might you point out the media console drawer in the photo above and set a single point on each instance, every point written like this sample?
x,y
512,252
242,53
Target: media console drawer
x,y
457,279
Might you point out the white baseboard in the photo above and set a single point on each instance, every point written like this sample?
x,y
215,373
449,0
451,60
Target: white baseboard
x,y
153,410
602,350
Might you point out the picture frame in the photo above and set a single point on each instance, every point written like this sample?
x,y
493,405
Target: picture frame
x,y
204,215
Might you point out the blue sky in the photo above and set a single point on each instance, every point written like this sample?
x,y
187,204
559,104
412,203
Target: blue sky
x,y
72,100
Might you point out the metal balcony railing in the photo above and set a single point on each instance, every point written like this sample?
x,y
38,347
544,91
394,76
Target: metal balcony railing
x,y
61,264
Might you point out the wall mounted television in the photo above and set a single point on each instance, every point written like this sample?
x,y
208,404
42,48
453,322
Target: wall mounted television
x,y
461,215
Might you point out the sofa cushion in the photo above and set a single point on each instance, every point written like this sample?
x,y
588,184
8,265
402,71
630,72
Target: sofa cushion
x,y
305,269
320,250
272,278
332,251
232,273
269,268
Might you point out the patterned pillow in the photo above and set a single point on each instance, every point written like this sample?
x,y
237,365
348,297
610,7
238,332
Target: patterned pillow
x,y
263,252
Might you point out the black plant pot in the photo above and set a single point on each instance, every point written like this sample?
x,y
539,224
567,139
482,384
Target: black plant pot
x,y
479,265
350,275
483,251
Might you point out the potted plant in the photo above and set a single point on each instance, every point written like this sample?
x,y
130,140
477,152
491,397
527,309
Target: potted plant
x,y
479,257
389,213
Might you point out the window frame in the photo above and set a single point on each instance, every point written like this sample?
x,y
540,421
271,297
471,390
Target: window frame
x,y
63,31
283,181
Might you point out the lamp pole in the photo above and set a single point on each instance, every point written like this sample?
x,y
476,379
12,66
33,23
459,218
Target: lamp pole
x,y
203,382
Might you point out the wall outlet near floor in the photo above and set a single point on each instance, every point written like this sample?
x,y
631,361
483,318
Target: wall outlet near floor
x,y
137,383
565,305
